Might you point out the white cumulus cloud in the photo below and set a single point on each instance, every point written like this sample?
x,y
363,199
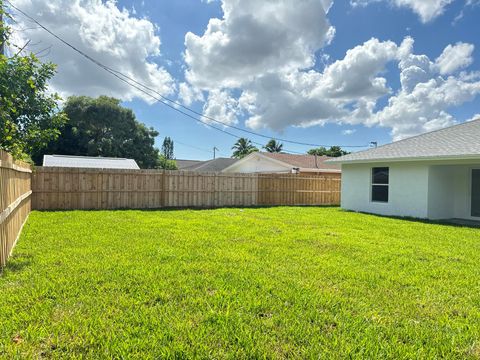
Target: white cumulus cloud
x,y
455,57
189,94
256,37
427,10
221,106
111,35
272,82
474,117
306,98
355,75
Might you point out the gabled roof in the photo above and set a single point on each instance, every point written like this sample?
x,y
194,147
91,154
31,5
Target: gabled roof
x,y
217,164
182,163
303,161
460,141
88,162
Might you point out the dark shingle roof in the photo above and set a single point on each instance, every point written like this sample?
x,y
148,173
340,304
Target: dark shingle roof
x,y
211,165
182,164
455,142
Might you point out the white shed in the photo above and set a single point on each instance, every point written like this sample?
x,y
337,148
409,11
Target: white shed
x,y
434,175
91,162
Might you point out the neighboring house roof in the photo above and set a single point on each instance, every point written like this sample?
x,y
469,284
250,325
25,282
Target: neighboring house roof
x,y
211,165
182,163
88,162
460,141
305,163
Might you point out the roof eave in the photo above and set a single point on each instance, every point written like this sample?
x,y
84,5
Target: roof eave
x,y
407,159
320,170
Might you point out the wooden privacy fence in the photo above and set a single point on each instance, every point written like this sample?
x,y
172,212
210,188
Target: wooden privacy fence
x,y
15,190
70,188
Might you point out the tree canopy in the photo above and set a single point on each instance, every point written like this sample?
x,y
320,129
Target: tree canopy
x,y
166,164
167,148
102,127
334,151
242,148
29,113
273,146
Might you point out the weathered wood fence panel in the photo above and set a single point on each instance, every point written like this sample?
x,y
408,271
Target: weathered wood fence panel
x,y
65,188
15,202
71,188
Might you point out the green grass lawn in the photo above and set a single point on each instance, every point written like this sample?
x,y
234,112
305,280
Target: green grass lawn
x,y
240,283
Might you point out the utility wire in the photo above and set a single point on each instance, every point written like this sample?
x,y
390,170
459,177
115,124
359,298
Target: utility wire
x,y
165,100
228,125
193,147
122,78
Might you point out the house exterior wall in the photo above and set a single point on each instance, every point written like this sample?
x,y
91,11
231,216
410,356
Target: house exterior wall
x,y
433,190
441,192
461,198
257,164
408,189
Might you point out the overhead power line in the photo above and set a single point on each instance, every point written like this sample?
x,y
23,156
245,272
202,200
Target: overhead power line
x,y
167,101
192,146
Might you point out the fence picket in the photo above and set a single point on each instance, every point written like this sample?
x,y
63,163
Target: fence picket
x,y
15,202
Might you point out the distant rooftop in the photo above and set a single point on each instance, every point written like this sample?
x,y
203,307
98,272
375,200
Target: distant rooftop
x,y
216,165
183,163
88,162
303,161
460,141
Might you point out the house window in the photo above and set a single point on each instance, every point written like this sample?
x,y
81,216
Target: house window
x,y
380,179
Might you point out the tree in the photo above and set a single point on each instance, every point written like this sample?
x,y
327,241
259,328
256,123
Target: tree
x,y
334,151
102,127
166,164
321,151
167,148
242,148
273,146
29,113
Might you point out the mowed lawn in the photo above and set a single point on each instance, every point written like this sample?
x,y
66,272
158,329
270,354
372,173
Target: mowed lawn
x,y
240,283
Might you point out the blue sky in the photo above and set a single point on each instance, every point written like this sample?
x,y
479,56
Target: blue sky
x,y
316,88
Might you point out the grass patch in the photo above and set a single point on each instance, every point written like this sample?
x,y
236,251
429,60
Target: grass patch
x,y
240,283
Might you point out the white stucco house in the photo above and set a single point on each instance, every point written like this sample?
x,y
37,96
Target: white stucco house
x,y
264,162
433,176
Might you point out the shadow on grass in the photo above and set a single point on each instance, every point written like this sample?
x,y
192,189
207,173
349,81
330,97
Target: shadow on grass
x,y
17,263
444,222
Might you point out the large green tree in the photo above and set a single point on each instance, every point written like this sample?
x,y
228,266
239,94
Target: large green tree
x,y
273,146
334,151
29,113
242,148
102,127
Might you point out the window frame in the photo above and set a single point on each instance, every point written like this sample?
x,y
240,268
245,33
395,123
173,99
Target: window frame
x,y
374,184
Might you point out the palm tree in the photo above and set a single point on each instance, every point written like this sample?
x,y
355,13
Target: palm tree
x,y
273,146
242,148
